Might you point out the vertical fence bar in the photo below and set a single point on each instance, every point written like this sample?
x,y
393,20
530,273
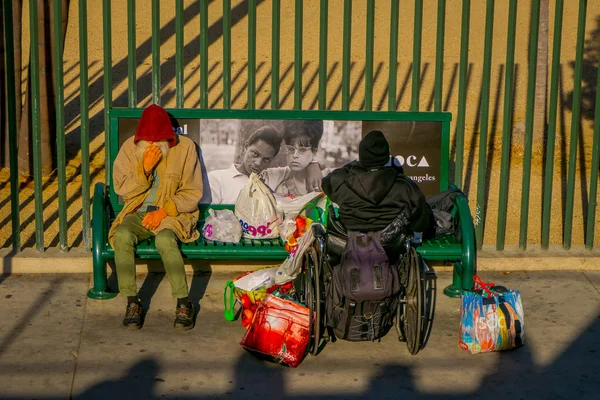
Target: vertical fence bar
x,y
416,76
369,55
574,125
156,51
324,15
275,26
251,54
85,125
107,46
35,124
226,54
533,49
393,55
484,118
60,128
11,99
506,124
439,56
547,202
346,54
131,56
179,94
298,18
591,217
204,54
462,92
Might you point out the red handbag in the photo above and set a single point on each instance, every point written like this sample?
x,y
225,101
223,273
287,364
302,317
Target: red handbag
x,y
280,330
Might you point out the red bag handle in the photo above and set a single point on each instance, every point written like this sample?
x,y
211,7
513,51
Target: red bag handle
x,y
484,286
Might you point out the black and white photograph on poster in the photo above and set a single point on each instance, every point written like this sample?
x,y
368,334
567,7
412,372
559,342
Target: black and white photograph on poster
x,y
283,153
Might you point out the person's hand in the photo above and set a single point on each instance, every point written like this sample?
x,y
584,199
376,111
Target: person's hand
x,y
153,219
313,178
151,158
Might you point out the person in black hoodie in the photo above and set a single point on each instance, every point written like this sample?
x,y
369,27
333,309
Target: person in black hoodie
x,y
372,195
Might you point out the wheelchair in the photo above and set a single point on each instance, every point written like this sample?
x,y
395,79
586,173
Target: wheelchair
x,y
416,305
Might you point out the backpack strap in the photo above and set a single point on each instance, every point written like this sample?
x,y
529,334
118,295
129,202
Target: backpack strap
x,y
351,310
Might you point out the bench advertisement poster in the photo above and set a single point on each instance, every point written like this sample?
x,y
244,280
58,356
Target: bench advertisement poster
x,y
282,150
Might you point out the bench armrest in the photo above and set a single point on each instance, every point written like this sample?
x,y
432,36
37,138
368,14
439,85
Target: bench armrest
x,y
467,232
99,229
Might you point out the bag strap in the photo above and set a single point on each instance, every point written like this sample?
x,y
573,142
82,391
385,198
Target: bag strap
x,y
484,286
229,308
351,311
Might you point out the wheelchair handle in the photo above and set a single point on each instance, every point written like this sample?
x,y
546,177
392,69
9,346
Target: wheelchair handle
x,y
319,231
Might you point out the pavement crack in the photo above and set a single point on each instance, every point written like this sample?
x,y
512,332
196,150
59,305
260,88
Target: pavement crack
x,y
591,283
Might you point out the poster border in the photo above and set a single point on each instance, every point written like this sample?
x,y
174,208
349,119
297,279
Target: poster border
x,y
445,118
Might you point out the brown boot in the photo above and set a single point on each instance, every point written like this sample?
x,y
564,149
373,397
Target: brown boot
x,y
184,316
133,316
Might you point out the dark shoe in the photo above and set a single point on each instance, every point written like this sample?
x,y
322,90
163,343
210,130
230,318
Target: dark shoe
x,y
184,316
133,316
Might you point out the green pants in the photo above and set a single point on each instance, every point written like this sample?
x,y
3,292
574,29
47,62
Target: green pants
x,y
127,236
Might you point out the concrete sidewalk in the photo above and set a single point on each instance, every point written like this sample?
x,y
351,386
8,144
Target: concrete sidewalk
x,y
56,343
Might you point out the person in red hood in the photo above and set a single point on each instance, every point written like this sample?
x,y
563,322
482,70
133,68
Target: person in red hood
x,y
158,175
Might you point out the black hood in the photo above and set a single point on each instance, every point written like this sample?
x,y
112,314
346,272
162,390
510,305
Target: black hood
x,y
373,185
371,198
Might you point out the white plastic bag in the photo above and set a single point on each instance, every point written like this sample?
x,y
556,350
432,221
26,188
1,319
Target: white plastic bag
x,y
257,210
222,226
292,266
291,207
257,279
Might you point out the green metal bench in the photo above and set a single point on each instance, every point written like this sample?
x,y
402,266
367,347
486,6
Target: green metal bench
x,y
106,204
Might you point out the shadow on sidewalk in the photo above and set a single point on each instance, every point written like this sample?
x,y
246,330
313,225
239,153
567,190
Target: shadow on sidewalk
x,y
197,287
138,383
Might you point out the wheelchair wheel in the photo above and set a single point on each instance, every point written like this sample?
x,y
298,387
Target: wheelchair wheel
x,y
430,294
308,287
410,315
316,307
309,301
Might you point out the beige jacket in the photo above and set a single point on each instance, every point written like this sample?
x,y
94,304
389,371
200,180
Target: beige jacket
x,y
179,189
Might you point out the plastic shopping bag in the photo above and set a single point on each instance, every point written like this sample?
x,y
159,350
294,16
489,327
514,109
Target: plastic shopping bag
x,y
291,207
280,330
222,226
491,319
292,265
257,210
249,289
315,210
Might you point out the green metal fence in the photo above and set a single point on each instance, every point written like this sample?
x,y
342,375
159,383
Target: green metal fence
x,y
300,23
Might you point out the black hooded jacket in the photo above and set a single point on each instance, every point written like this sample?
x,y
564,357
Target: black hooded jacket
x,y
370,199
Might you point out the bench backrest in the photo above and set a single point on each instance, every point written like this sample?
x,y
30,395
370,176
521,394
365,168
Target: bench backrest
x,y
419,140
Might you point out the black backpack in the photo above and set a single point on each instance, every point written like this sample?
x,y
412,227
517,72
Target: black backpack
x,y
362,291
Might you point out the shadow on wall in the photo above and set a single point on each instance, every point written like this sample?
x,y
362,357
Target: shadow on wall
x,y
589,74
591,60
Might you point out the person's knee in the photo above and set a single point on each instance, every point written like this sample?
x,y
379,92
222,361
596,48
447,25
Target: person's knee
x,y
165,240
124,237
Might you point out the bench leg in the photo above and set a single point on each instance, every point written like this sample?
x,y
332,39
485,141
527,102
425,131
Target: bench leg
x,y
98,292
99,217
454,290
